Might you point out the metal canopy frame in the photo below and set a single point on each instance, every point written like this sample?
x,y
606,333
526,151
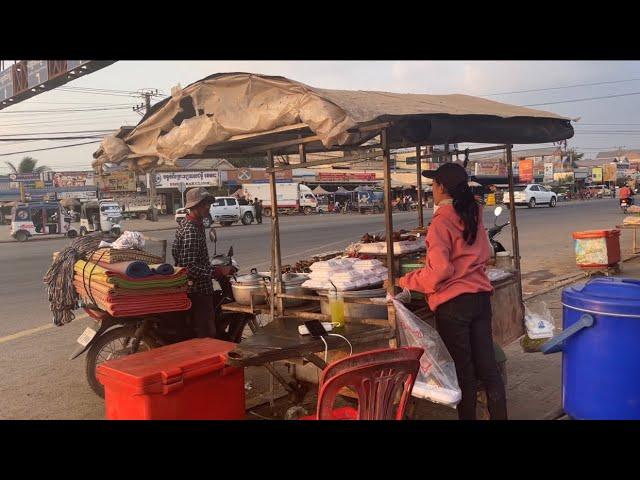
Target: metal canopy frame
x,y
382,150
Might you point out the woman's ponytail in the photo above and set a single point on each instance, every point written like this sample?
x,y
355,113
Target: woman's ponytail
x,y
465,205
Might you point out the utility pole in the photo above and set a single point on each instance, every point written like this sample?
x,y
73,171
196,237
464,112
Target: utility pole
x,y
147,94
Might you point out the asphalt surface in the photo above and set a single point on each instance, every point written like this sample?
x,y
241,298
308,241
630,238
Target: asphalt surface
x,y
39,381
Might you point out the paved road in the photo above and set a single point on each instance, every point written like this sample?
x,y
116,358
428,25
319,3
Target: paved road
x,y
43,384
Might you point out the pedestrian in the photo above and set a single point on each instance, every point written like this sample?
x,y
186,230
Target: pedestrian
x,y
458,289
258,206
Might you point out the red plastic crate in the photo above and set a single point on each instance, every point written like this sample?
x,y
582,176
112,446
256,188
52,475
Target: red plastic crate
x,y
183,381
611,242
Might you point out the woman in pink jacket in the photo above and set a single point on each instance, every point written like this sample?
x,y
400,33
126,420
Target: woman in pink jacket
x,y
458,290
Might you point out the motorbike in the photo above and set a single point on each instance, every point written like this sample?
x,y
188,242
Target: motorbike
x,y
495,230
113,337
625,203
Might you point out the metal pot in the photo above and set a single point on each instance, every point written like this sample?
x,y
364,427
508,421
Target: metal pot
x,y
292,285
245,287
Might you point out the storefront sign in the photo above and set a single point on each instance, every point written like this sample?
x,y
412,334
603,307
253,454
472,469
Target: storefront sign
x,y
84,195
253,175
124,181
548,172
73,179
596,174
346,177
189,179
563,177
526,170
490,169
610,172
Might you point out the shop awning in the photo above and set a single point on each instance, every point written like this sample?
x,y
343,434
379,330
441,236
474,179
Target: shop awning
x,y
241,113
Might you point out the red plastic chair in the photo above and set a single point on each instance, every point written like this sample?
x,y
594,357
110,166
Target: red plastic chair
x,y
378,377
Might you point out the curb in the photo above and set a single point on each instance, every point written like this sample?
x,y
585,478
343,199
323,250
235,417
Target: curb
x,y
161,229
571,280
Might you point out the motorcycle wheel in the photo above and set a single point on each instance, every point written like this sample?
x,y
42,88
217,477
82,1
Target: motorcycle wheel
x,y
115,343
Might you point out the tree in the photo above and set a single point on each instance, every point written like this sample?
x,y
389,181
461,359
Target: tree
x,y
574,157
27,165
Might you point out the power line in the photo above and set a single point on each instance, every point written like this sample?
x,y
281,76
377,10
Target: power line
x,y
582,99
559,88
40,139
62,110
49,148
55,133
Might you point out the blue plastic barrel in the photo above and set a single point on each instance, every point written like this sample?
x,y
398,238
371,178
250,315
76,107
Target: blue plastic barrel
x,y
601,347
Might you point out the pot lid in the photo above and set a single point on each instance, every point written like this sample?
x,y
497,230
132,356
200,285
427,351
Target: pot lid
x,y
253,278
608,296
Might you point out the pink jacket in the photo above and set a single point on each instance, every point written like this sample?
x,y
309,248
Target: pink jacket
x,y
453,267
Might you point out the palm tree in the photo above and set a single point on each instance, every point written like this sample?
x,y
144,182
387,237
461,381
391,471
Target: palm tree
x,y
27,165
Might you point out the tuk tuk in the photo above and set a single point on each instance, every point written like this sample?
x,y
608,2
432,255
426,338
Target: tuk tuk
x,y
34,219
100,216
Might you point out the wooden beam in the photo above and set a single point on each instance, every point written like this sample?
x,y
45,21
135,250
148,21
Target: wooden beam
x,y
419,183
329,161
388,222
284,143
515,241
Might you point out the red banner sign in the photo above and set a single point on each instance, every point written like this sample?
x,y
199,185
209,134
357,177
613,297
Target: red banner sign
x,y
526,170
346,177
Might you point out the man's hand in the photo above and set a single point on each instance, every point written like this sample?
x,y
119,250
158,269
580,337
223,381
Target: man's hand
x,y
224,271
386,283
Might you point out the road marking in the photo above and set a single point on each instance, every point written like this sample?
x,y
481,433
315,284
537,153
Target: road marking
x,y
32,331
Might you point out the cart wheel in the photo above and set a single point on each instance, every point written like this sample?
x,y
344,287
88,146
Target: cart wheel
x,y
22,236
115,343
142,216
72,234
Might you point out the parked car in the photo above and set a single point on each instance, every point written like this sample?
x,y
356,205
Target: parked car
x,y
532,195
226,211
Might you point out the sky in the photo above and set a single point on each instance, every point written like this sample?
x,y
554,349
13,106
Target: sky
x,y
604,123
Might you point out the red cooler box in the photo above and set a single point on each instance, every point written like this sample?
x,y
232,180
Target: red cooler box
x,y
183,381
597,248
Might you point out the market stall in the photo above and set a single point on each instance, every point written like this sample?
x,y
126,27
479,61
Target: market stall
x,y
240,114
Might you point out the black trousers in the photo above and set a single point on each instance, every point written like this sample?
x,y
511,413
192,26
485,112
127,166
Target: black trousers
x,y
464,324
203,315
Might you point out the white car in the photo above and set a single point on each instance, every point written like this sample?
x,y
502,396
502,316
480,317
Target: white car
x,y
180,214
532,195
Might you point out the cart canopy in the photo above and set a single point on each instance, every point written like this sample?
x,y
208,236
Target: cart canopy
x,y
239,113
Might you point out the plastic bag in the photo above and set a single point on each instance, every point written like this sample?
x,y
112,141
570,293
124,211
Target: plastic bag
x,y
539,325
437,380
129,240
539,321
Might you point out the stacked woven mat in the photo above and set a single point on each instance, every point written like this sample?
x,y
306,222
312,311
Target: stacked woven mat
x,y
131,288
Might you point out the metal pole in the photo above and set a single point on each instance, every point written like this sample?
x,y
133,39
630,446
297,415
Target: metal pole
x,y
152,173
446,153
419,182
303,153
388,221
515,242
275,243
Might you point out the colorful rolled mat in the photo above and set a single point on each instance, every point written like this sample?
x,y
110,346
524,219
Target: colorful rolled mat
x,y
112,291
93,271
112,255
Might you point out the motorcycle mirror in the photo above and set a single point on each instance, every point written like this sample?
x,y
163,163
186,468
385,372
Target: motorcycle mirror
x,y
497,211
230,254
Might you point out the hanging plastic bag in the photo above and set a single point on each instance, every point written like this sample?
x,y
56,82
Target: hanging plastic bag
x,y
539,324
129,240
437,380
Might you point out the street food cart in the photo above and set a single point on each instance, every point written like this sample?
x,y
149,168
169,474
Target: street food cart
x,y
239,114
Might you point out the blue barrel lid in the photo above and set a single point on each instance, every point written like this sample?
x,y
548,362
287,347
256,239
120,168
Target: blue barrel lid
x,y
605,295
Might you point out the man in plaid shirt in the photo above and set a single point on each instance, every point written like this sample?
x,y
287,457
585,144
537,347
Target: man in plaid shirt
x,y
190,251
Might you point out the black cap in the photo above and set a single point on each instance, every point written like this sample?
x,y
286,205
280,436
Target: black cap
x,y
449,174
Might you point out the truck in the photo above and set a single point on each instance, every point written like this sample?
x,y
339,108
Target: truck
x,y
370,200
292,197
225,211
139,206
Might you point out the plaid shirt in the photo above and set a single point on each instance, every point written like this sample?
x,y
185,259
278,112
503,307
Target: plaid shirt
x,y
190,251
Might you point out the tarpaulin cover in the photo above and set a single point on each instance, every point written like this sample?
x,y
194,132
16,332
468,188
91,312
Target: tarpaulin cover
x,y
227,106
